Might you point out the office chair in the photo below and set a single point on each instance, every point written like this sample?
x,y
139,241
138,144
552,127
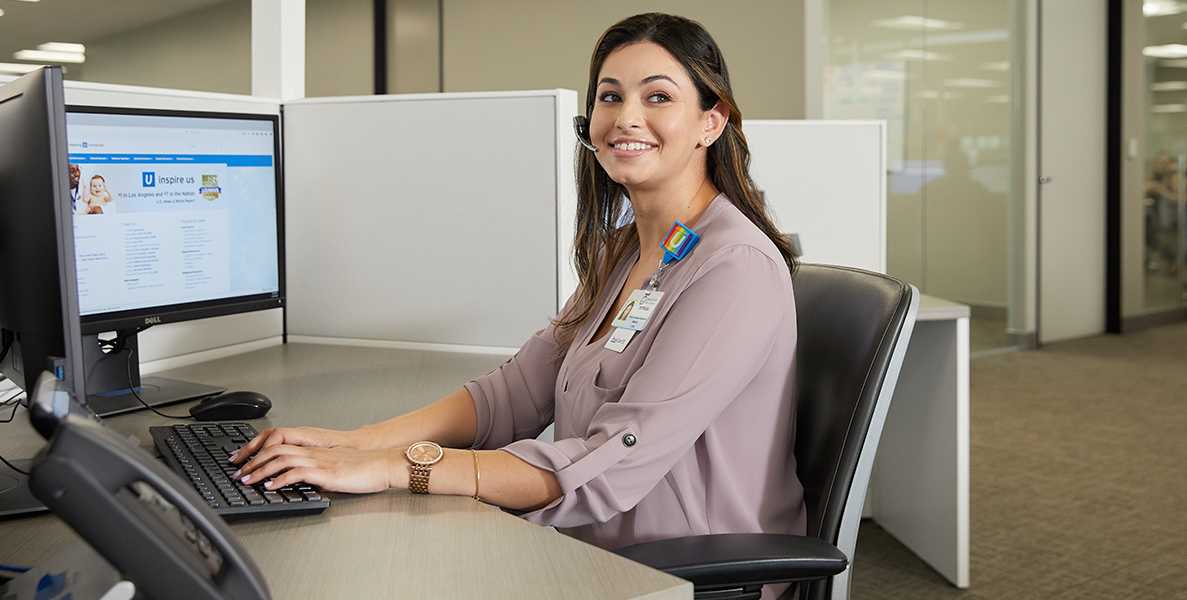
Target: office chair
x,y
853,329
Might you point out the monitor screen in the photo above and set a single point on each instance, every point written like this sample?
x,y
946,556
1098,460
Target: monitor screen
x,y
177,215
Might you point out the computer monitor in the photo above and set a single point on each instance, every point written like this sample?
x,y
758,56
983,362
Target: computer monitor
x,y
38,296
177,216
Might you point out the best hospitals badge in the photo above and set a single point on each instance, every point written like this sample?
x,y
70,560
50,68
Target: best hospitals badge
x,y
210,189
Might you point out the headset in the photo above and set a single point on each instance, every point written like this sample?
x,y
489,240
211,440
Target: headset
x,y
581,126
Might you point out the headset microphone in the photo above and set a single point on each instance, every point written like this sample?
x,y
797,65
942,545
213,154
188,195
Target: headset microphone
x,y
581,126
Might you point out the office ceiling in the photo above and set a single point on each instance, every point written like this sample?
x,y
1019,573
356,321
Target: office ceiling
x,y
25,25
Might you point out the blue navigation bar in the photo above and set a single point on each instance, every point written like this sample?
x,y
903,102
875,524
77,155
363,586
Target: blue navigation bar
x,y
231,160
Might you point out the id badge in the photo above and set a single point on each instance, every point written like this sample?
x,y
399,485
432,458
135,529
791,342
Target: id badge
x,y
638,308
619,338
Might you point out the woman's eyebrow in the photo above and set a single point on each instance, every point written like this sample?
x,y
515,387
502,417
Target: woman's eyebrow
x,y
613,81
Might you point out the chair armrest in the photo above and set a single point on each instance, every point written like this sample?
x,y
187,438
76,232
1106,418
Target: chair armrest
x,y
740,558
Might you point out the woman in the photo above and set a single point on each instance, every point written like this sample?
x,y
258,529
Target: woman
x,y
681,425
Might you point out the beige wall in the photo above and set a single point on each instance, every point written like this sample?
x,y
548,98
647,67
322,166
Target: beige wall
x,y
489,45
538,44
339,48
208,50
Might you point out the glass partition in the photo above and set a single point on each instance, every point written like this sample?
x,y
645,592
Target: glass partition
x,y
1164,202
939,73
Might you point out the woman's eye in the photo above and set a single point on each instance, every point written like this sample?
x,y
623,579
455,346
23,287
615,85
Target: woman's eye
x,y
608,97
658,97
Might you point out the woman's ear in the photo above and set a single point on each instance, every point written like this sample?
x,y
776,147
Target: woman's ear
x,y
716,119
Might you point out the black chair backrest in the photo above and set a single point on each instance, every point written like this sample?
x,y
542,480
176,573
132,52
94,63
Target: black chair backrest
x,y
848,323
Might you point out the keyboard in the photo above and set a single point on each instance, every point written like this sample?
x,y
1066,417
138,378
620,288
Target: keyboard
x,y
199,453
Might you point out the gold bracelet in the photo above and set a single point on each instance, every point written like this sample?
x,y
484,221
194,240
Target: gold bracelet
x,y
477,475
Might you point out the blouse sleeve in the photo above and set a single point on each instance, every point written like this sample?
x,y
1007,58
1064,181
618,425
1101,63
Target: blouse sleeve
x,y
711,344
515,401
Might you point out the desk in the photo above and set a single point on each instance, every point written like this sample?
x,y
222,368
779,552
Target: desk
x,y
387,545
919,490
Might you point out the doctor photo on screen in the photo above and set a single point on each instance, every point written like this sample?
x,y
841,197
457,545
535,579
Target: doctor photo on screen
x,y
680,423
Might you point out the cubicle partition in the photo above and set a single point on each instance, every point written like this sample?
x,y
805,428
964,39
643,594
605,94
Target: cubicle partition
x,y
826,182
428,221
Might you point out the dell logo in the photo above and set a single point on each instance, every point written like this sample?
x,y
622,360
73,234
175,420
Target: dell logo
x,y
152,320
150,179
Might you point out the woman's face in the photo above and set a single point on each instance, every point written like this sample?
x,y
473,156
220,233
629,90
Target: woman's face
x,y
648,122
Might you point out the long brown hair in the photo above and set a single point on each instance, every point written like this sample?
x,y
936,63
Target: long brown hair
x,y
600,243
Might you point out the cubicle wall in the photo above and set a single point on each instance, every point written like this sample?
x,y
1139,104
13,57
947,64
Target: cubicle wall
x,y
428,221
826,181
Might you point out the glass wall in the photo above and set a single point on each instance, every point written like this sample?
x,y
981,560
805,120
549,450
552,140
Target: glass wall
x,y
1165,50
939,73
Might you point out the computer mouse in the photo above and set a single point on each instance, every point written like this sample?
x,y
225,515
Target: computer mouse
x,y
232,406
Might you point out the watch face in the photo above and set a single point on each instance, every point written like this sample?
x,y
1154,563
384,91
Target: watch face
x,y
424,453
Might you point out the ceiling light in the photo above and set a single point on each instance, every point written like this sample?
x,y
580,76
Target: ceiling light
x,y
937,95
912,54
17,68
968,82
1166,51
1168,108
1162,8
1,12
912,23
63,47
1168,86
54,52
49,57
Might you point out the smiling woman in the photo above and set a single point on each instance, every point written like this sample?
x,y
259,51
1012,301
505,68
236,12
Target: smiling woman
x,y
669,373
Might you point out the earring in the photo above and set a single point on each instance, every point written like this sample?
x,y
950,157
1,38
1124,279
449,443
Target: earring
x,y
708,141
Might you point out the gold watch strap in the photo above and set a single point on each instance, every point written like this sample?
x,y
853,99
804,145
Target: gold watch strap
x,y
419,481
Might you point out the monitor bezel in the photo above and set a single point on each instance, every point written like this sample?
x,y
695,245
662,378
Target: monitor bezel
x,y
175,313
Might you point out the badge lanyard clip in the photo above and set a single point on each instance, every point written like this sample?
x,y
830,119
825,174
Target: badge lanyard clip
x,y
676,245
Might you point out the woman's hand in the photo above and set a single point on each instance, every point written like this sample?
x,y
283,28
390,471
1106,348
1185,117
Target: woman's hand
x,y
335,469
312,437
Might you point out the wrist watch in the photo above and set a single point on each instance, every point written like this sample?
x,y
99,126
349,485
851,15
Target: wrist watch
x,y
422,455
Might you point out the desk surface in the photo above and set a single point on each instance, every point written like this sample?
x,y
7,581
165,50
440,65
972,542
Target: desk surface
x,y
390,544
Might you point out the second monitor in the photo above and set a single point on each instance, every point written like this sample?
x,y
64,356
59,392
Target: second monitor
x,y
177,216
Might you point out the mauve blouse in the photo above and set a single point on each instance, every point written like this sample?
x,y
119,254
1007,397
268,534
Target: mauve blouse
x,y
690,429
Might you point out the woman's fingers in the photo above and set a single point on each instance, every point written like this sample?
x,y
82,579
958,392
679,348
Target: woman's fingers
x,y
299,436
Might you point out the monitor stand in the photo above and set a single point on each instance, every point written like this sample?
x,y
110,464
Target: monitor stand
x,y
113,372
15,498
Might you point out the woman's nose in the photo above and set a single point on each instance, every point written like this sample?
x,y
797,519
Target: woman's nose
x,y
630,115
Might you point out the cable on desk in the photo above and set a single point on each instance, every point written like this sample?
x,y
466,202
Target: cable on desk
x,y
15,401
13,466
117,345
13,569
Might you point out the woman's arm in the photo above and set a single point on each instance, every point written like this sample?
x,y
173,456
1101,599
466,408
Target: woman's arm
x,y
505,479
450,421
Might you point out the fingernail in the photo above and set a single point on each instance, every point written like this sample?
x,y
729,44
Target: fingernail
x,y
268,485
233,456
236,475
245,478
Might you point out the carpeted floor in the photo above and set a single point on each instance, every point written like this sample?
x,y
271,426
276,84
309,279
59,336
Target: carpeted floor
x,y
1078,482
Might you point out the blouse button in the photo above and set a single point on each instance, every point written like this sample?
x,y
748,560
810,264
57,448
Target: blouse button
x,y
628,440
